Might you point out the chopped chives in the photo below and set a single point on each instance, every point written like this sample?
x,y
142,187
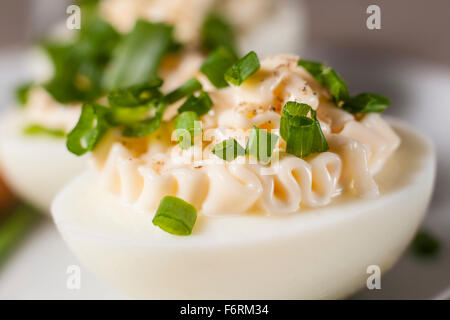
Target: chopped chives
x,y
90,128
189,87
327,77
36,129
217,33
319,142
296,109
131,107
22,93
290,110
147,125
79,64
425,244
303,135
175,216
128,115
200,105
366,103
336,85
362,103
14,226
228,150
261,144
242,69
215,66
136,95
136,59
300,139
185,128
313,67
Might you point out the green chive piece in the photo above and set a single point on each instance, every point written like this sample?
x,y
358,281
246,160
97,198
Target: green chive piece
x,y
22,92
366,103
175,216
291,110
135,95
186,130
215,66
128,115
35,129
261,144
14,226
228,150
136,59
243,69
200,105
189,87
362,103
148,125
319,142
91,127
80,64
425,244
300,138
327,77
335,84
132,105
218,33
313,67
303,135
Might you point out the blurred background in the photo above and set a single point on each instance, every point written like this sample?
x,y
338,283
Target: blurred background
x,y
408,59
413,27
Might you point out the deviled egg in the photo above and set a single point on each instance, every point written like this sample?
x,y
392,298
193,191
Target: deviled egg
x,y
270,182
86,64
259,23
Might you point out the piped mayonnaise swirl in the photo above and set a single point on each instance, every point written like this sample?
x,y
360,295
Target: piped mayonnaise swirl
x,y
142,171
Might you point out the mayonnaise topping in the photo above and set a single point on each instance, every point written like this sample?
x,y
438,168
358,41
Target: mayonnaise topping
x,y
142,171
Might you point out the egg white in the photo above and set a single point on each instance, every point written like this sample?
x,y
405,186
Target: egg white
x,y
316,253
